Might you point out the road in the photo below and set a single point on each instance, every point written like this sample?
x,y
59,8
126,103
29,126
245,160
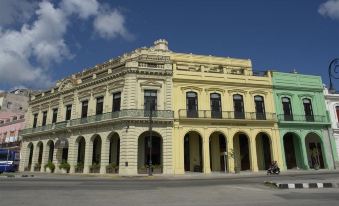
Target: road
x,y
89,191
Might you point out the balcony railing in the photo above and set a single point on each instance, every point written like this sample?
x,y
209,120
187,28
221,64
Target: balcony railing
x,y
209,114
302,118
129,113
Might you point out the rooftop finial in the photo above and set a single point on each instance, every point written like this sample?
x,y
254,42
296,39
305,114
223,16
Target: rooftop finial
x,y
161,44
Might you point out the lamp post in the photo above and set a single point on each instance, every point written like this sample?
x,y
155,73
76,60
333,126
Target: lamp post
x,y
150,139
333,69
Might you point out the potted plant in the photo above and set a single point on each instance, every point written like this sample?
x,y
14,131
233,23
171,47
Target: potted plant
x,y
112,168
79,167
232,155
94,168
64,167
49,167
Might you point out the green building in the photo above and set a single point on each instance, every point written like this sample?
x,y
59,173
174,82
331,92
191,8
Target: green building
x,y
303,122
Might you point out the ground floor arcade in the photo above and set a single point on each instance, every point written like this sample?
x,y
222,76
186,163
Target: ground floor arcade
x,y
124,150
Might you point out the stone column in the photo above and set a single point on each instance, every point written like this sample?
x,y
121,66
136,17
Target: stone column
x,y
104,154
88,154
24,158
253,155
128,152
72,153
304,154
230,155
34,156
206,155
44,156
55,160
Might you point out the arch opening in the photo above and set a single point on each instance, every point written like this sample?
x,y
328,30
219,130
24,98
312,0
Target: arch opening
x,y
114,153
315,153
193,159
218,157
293,151
241,152
264,151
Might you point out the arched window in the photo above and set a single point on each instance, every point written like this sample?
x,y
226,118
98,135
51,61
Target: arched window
x,y
287,108
192,104
260,107
215,100
308,110
238,104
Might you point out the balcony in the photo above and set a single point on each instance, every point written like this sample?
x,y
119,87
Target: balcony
x,y
119,115
230,115
303,118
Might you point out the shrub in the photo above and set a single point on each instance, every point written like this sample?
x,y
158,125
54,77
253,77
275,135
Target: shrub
x,y
65,165
95,166
50,165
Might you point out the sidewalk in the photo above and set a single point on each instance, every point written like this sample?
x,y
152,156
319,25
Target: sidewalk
x,y
213,175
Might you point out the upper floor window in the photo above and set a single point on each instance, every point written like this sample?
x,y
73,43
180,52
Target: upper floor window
x,y
35,120
22,116
84,109
287,108
9,105
215,100
259,107
337,111
150,100
15,118
44,118
238,104
116,101
68,112
100,105
55,115
308,110
192,104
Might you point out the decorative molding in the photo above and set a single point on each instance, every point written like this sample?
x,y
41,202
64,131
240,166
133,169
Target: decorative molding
x,y
151,83
232,91
215,90
191,88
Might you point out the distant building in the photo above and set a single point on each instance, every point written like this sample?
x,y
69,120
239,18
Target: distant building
x,y
13,106
332,105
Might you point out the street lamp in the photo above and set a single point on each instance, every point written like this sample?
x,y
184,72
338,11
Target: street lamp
x,y
150,139
333,69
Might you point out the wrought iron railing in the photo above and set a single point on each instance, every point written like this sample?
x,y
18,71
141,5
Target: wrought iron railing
x,y
209,114
302,118
128,113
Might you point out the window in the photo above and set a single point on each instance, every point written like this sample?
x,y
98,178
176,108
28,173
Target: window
x,y
100,105
215,100
35,120
44,118
84,109
22,116
308,110
337,110
55,115
192,104
260,107
287,108
15,118
238,104
150,101
9,105
116,101
68,112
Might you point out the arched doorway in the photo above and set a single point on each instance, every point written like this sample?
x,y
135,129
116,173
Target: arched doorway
x,y
144,152
314,149
218,147
40,148
79,168
264,148
241,152
293,151
193,159
96,155
30,149
50,145
114,153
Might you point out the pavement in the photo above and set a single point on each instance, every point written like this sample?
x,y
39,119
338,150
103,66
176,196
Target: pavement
x,y
185,190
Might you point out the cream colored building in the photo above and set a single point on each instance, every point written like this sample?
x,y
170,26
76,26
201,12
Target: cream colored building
x,y
211,114
100,117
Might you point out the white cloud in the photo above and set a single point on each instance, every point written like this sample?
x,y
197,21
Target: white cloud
x,y
12,11
330,9
27,54
111,24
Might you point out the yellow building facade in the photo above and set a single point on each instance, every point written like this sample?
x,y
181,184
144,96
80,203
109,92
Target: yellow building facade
x,y
224,116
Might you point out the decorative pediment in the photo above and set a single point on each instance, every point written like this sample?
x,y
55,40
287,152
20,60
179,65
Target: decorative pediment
x,y
151,83
84,93
116,85
67,84
232,91
191,88
258,92
215,90
99,89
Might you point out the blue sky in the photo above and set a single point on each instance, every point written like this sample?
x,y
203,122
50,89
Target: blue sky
x,y
280,35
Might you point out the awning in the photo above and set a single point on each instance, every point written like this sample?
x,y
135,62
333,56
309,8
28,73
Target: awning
x,y
61,143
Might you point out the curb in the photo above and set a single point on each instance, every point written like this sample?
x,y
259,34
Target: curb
x,y
316,185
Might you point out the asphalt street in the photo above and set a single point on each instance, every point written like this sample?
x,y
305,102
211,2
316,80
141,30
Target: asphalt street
x,y
242,190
